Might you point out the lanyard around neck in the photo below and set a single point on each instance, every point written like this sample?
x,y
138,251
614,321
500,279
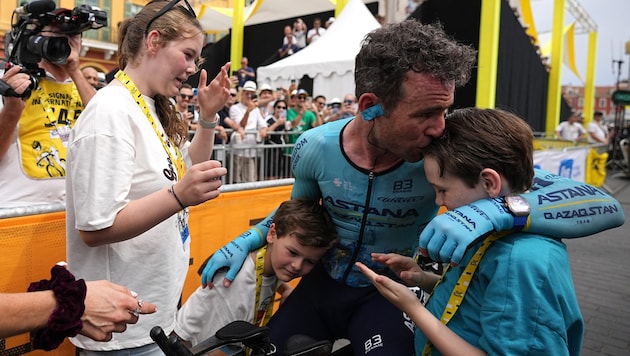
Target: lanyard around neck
x,y
260,267
178,161
459,291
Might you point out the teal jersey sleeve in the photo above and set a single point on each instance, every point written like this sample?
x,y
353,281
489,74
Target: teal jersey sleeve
x,y
564,208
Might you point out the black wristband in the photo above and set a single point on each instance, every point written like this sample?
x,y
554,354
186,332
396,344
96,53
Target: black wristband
x,y
172,191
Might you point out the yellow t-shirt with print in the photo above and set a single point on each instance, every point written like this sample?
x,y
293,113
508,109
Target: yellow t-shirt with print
x,y
44,128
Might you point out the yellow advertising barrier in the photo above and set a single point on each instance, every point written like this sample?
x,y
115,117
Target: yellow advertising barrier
x,y
32,244
596,168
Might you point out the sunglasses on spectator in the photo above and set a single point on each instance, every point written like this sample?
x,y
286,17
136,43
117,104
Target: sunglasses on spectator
x,y
348,101
281,107
321,103
184,96
166,8
302,97
233,94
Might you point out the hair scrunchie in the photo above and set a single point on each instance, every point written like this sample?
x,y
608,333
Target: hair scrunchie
x,y
65,321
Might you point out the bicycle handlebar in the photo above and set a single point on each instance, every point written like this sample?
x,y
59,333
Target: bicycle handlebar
x,y
254,337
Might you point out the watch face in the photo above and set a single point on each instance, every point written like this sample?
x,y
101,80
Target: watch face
x,y
517,205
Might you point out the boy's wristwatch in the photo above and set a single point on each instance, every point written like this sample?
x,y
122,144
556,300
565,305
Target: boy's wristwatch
x,y
519,208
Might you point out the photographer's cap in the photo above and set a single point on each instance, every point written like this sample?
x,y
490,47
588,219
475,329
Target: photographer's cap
x,y
249,86
335,101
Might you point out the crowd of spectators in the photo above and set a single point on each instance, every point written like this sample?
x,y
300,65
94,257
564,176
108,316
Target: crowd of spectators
x,y
279,115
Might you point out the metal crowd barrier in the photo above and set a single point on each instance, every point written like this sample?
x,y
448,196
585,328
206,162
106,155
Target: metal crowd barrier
x,y
271,161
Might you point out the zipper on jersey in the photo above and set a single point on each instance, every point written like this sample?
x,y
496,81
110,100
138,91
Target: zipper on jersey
x,y
366,208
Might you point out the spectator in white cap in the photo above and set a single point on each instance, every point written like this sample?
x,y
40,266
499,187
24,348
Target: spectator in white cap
x,y
266,99
247,115
293,99
335,110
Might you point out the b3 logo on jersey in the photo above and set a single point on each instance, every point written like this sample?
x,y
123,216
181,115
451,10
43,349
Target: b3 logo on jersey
x,y
401,186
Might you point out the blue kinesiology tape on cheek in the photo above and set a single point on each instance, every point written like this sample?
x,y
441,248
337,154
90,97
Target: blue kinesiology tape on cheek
x,y
372,112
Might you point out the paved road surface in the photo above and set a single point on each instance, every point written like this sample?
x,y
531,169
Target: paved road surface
x,y
601,272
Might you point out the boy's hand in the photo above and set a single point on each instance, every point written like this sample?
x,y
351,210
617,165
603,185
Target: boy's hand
x,y
405,267
401,296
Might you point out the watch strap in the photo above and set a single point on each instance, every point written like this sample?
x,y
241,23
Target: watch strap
x,y
520,222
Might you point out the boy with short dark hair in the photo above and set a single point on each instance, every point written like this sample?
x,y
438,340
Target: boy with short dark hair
x,y
513,293
300,234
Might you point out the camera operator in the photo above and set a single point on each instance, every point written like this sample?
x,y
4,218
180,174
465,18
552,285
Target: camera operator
x,y
34,129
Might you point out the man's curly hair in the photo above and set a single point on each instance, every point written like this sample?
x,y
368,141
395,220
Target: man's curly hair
x,y
388,53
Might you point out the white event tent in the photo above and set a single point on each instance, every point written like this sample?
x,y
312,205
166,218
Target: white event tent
x,y
329,61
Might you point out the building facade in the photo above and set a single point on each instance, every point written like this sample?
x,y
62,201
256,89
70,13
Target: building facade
x,y
100,46
574,95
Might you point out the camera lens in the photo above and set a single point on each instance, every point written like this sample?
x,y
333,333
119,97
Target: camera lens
x,y
54,49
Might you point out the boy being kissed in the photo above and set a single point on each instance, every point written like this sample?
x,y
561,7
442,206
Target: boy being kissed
x,y
513,293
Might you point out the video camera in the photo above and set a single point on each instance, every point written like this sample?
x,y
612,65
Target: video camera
x,y
25,46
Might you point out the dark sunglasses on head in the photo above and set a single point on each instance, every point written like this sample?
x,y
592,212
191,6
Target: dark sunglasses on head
x,y
184,96
165,9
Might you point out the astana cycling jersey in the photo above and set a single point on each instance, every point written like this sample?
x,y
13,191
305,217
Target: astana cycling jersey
x,y
373,212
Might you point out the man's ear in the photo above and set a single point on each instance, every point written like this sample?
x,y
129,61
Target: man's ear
x,y
372,112
492,182
369,107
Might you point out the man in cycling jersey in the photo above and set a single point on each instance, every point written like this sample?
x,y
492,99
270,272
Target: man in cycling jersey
x,y
368,171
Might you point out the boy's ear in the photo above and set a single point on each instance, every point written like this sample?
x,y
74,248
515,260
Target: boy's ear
x,y
492,182
271,234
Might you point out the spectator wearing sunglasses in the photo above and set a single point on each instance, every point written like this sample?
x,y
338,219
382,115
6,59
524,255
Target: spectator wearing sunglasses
x,y
132,173
185,103
225,122
277,161
348,107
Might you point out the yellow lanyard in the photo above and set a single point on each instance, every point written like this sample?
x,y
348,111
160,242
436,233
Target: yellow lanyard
x,y
137,95
260,267
459,291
